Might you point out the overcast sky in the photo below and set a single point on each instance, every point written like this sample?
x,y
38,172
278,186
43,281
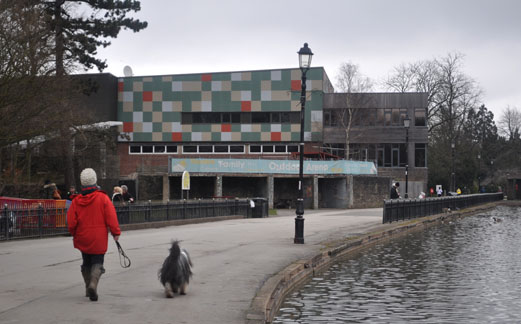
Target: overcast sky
x,y
192,36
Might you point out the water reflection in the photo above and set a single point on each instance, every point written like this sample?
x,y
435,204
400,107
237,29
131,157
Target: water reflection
x,y
464,271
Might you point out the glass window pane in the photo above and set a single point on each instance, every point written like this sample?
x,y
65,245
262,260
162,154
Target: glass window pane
x,y
237,148
387,113
419,155
159,149
255,148
135,149
267,148
260,117
221,148
147,148
387,155
189,148
280,148
294,117
236,118
292,148
396,117
205,149
226,118
419,117
171,148
284,117
379,117
275,117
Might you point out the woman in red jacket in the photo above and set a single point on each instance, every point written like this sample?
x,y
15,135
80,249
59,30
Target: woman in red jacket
x,y
88,218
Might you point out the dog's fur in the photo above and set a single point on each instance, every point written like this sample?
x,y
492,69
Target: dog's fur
x,y
176,271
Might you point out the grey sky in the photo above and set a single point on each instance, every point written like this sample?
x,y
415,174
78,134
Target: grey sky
x,y
230,35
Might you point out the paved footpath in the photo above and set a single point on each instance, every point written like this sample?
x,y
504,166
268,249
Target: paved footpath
x,y
40,280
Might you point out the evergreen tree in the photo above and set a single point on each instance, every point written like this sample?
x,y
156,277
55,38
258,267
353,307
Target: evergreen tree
x,y
77,37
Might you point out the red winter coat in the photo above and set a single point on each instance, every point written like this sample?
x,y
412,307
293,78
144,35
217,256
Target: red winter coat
x,y
88,218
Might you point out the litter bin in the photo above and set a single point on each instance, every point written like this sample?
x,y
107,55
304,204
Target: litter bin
x,y
261,208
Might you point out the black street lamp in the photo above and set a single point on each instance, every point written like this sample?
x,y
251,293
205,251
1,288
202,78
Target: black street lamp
x,y
407,124
304,59
479,173
453,174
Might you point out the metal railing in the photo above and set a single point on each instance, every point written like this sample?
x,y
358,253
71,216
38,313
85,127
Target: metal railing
x,y
42,221
178,210
405,209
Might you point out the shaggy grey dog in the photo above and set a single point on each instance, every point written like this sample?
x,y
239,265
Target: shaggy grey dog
x,y
176,271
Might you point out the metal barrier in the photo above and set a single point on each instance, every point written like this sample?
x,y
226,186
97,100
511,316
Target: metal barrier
x,y
26,218
183,209
404,209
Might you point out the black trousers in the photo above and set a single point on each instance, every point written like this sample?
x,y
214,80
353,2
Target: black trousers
x,y
90,259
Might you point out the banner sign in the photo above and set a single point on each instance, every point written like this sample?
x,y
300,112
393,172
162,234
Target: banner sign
x,y
271,166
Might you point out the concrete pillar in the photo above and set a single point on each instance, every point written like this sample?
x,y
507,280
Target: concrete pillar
x,y
218,190
271,185
315,192
349,190
166,188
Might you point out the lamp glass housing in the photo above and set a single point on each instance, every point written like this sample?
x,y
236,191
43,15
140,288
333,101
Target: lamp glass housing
x,y
304,57
406,122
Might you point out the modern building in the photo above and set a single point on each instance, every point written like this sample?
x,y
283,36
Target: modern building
x,y
237,133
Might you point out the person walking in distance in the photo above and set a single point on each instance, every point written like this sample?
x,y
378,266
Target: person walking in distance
x,y
90,217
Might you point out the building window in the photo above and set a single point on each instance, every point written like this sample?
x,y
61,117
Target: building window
x,y
205,149
419,117
420,151
135,149
285,117
189,148
152,149
236,148
273,149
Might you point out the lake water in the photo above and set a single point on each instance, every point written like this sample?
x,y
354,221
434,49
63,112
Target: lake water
x,y
463,271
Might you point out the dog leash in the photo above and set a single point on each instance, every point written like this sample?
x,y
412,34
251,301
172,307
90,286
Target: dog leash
x,y
124,260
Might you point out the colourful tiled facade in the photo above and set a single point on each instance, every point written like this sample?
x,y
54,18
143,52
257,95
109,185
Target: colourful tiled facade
x,y
151,108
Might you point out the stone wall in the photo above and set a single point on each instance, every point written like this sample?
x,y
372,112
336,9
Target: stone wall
x,y
370,191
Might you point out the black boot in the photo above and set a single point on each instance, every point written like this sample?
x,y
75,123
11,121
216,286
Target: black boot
x,y
95,273
85,271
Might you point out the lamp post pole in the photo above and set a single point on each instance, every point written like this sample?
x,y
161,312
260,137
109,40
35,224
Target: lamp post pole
x,y
407,124
305,56
479,173
453,175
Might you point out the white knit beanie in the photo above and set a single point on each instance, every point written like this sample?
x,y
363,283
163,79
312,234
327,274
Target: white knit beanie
x,y
88,177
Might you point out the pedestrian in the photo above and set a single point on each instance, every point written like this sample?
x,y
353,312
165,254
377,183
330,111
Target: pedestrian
x,y
117,195
56,194
395,193
439,191
90,217
127,197
72,193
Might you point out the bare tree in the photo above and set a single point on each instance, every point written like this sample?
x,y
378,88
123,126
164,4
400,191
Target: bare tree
x,y
450,92
353,83
509,123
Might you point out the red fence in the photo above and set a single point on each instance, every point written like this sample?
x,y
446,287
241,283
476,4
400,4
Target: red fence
x,y
34,215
